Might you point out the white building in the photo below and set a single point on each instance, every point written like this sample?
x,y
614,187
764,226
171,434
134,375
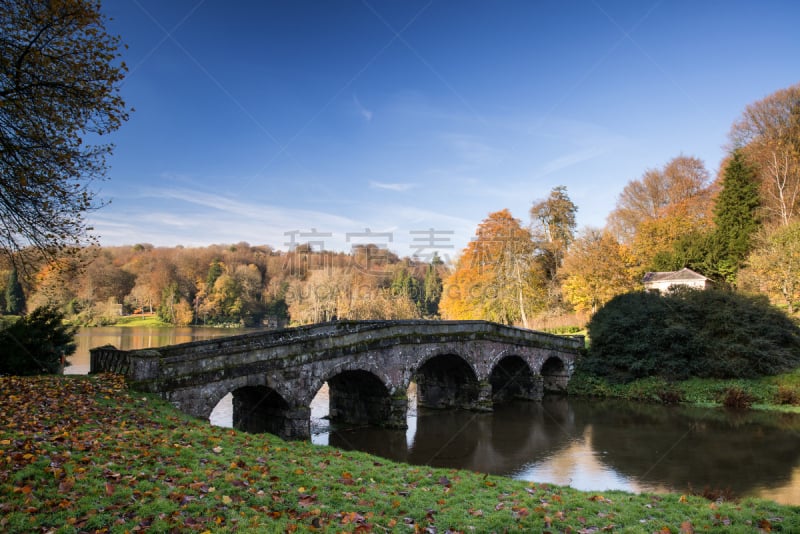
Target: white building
x,y
664,281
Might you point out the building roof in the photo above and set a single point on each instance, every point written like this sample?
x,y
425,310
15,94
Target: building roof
x,y
683,275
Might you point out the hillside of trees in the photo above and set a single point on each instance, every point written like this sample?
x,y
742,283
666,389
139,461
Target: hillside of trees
x,y
230,285
740,228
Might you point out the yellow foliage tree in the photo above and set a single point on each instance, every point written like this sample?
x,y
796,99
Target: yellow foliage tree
x,y
596,269
774,266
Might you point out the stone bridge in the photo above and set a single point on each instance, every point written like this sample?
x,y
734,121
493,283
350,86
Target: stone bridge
x,y
368,366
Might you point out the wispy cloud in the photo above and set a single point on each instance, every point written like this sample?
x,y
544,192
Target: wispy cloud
x,y
472,149
569,160
173,216
364,112
196,217
399,187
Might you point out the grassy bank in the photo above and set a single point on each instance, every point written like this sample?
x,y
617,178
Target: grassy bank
x,y
140,320
84,454
154,321
780,392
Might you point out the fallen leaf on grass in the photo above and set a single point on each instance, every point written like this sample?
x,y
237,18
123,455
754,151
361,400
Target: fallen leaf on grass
x,y
307,500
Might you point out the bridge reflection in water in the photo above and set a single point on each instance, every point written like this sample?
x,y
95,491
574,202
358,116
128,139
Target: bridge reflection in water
x,y
590,445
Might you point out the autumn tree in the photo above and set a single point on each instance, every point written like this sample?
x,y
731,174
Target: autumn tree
x,y
553,225
183,313
59,94
56,285
103,280
665,204
596,269
318,298
496,277
553,230
768,134
380,303
774,265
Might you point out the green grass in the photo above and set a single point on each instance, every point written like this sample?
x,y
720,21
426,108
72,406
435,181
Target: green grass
x,y
83,454
778,393
138,320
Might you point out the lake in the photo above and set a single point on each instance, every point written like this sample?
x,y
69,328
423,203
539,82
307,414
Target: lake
x,y
589,445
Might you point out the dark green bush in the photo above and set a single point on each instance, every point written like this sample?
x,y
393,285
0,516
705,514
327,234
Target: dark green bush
x,y
36,344
708,334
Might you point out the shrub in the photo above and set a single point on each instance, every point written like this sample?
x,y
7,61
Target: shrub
x,y
708,334
670,395
36,344
714,494
788,396
737,398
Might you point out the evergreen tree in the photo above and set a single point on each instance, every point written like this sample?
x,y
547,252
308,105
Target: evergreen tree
x,y
406,285
735,218
214,272
15,298
433,287
36,344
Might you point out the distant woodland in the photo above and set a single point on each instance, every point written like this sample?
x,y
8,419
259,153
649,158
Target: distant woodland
x,y
740,228
234,285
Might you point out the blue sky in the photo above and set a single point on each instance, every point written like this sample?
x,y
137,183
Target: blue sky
x,y
255,121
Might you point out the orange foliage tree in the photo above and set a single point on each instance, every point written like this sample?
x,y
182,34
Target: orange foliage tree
x,y
497,277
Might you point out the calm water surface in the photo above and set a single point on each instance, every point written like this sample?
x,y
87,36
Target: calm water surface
x,y
589,445
130,338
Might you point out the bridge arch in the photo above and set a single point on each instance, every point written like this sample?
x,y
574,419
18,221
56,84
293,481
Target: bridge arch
x,y
512,378
260,409
359,396
555,374
447,380
325,373
258,405
214,392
